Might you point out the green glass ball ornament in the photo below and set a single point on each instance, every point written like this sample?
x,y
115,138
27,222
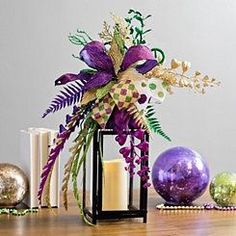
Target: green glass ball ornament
x,y
223,189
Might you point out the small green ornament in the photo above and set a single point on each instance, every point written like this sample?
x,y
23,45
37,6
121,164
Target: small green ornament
x,y
152,86
223,189
160,94
143,84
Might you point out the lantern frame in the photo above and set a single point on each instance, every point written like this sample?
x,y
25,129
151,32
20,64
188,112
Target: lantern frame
x,y
96,212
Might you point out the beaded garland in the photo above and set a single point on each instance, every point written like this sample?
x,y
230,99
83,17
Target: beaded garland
x,y
16,212
206,206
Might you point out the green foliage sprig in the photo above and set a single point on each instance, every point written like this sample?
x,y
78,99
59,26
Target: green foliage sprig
x,y
161,57
136,23
90,126
80,38
153,122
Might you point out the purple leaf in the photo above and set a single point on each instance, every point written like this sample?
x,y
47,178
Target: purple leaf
x,y
94,55
147,185
71,95
61,137
139,134
133,124
118,120
69,77
62,129
75,109
68,118
99,79
146,66
145,158
143,146
135,54
121,139
54,153
125,151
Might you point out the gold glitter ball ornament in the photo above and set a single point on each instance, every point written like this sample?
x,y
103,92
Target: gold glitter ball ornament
x,y
13,185
223,189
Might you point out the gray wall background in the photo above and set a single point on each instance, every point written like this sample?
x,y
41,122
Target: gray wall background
x,y
34,51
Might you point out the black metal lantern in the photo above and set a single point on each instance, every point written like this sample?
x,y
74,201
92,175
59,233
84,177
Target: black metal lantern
x,y
95,211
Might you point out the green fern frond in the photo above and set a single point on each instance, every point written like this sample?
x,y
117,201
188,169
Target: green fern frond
x,y
153,123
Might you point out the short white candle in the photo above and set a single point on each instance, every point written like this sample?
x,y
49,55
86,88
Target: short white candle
x,y
115,185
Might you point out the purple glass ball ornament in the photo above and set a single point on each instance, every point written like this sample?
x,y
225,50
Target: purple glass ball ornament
x,y
180,175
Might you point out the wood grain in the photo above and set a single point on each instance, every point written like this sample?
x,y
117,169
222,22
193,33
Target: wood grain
x,y
58,222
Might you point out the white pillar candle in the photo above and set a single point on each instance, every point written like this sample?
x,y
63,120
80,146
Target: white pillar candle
x,y
115,185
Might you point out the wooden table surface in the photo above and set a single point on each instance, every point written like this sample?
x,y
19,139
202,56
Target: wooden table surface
x,y
182,222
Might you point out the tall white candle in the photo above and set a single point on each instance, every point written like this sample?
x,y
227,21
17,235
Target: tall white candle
x,y
115,185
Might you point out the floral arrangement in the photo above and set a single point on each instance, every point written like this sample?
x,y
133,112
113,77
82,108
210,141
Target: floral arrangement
x,y
123,81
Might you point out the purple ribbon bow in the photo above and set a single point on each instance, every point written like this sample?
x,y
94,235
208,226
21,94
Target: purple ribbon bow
x,y
94,54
